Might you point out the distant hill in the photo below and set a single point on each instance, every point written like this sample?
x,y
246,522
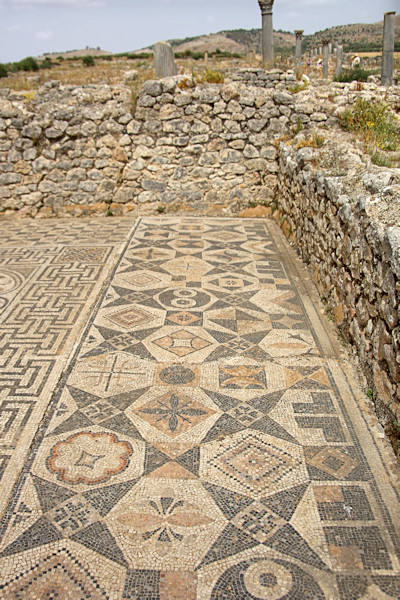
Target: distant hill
x,y
236,40
360,37
75,53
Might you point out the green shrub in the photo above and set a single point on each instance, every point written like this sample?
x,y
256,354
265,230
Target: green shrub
x,y
210,76
225,54
299,126
356,74
88,61
190,54
298,87
375,123
142,55
26,64
46,63
381,160
3,71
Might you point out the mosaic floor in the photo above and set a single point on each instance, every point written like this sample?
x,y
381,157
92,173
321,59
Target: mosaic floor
x,y
176,422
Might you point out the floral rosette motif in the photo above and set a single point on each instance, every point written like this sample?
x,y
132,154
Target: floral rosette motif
x,y
89,458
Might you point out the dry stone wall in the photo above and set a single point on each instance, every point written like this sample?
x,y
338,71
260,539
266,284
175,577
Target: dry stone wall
x,y
264,79
98,149
345,224
62,147
68,150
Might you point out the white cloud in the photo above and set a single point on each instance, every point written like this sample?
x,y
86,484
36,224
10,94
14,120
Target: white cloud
x,y
13,28
43,35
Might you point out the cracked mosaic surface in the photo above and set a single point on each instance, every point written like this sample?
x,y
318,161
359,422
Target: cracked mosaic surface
x,y
204,442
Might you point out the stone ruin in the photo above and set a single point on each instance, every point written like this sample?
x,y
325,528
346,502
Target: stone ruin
x,y
219,150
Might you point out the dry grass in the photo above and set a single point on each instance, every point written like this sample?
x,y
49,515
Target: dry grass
x,y
316,141
376,55
73,72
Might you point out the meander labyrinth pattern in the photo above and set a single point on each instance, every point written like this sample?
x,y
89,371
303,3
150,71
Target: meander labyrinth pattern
x,y
202,445
50,275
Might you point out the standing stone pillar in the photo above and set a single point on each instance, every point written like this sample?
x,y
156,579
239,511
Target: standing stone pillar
x,y
388,48
325,58
206,58
339,61
299,34
164,60
267,33
330,47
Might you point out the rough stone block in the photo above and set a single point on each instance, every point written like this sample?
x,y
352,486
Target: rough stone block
x,y
164,62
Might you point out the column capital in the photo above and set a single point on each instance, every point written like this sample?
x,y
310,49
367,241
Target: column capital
x,y
266,6
325,42
299,32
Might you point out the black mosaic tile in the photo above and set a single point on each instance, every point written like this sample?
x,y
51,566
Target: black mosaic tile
x,y
143,584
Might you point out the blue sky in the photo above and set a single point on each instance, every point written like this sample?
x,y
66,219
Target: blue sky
x,y
31,27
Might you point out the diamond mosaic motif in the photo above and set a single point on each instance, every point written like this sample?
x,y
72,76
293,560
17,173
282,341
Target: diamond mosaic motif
x,y
142,280
181,428
183,318
256,465
130,317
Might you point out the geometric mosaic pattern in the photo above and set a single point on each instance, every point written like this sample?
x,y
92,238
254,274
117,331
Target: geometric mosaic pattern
x,y
205,441
50,275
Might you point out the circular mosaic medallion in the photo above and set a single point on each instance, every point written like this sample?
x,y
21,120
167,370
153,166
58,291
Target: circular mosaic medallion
x,y
9,281
266,579
184,298
177,375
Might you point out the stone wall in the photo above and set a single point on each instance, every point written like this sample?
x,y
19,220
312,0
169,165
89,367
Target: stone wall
x,y
99,150
345,225
63,147
264,79
177,146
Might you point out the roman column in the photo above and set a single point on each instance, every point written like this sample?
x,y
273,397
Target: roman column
x,y
325,58
298,34
388,49
339,60
267,33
